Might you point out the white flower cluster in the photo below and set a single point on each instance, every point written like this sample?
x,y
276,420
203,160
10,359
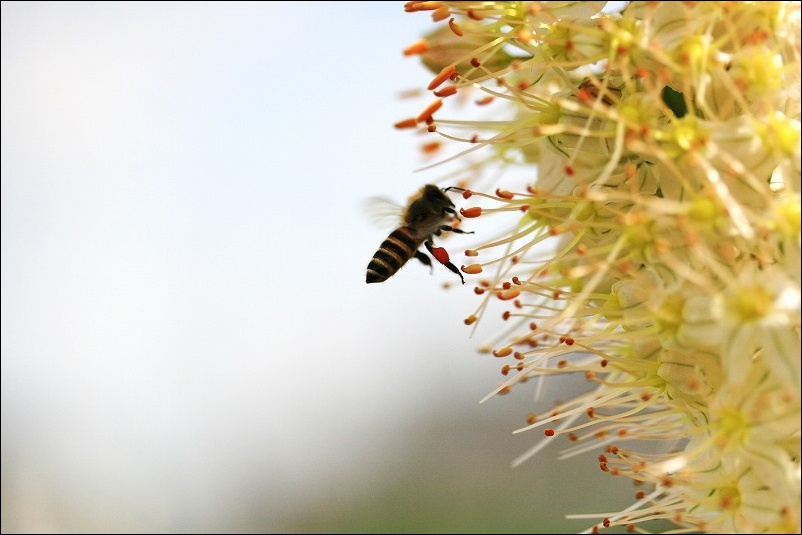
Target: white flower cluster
x,y
657,251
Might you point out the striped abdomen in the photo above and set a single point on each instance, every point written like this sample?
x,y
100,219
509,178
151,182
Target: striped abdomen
x,y
394,252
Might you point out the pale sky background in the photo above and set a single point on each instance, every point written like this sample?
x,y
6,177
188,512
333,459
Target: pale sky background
x,y
187,335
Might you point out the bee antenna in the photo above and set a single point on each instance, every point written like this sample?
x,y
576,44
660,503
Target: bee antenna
x,y
455,188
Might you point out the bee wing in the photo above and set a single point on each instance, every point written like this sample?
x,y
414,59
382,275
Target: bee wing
x,y
383,212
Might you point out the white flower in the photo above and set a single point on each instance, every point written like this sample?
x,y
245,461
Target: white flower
x,y
657,253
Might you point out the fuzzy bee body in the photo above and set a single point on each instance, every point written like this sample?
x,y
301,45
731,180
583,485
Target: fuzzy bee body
x,y
427,214
395,251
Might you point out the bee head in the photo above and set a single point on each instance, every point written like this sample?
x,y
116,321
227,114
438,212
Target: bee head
x,y
428,205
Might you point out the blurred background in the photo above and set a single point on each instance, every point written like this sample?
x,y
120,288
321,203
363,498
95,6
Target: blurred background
x,y
188,342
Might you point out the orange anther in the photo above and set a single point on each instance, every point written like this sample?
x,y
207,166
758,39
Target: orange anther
x,y
441,13
474,15
509,294
470,320
446,91
418,47
429,148
472,269
455,27
503,352
407,123
474,211
504,194
421,6
531,418
584,95
429,111
444,75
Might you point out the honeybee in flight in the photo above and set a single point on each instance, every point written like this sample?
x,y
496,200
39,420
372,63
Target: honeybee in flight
x,y
427,214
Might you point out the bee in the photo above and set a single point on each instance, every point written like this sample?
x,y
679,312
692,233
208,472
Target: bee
x,y
427,214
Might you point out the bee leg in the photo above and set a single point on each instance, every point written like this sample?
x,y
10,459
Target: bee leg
x,y
425,260
449,228
453,213
455,188
442,256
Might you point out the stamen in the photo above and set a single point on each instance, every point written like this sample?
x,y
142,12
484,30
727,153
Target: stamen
x,y
417,48
444,75
426,115
455,28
